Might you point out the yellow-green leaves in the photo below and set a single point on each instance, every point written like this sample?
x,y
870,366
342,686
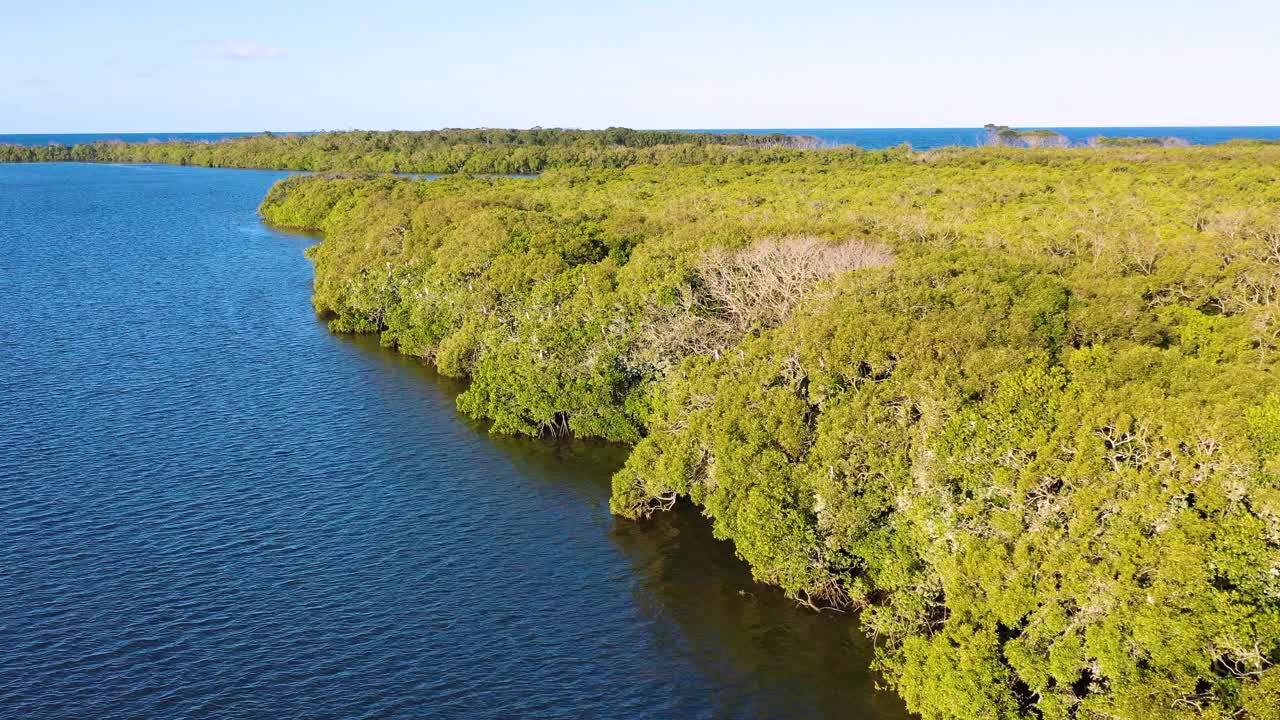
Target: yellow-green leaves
x,y
1040,449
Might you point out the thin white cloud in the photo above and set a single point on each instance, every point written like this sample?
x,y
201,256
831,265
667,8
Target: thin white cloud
x,y
242,51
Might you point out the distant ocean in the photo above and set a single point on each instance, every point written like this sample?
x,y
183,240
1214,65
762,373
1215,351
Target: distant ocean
x,y
870,138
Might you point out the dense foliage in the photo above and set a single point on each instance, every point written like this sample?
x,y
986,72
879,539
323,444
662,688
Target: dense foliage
x,y
1020,406
1103,141
435,151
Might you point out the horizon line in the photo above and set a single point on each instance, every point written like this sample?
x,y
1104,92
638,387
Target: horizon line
x,y
653,129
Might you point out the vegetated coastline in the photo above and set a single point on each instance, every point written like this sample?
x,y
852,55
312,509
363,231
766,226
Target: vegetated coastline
x,y
1005,136
503,152
1019,406
1103,141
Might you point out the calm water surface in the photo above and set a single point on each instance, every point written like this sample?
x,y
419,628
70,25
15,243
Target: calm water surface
x,y
213,508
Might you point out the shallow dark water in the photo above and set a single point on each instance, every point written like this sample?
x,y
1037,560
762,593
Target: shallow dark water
x,y
211,507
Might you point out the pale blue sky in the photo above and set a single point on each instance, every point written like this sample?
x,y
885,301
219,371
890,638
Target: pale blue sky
x,y
130,66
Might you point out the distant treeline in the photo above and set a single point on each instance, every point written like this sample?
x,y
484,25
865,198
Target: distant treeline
x,y
508,152
1103,141
1005,136
436,151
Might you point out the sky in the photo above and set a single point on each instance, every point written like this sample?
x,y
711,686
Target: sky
x,y
233,65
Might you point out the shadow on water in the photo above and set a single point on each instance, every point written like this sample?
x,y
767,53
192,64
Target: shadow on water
x,y
772,657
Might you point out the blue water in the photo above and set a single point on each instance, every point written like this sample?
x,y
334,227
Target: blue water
x,y
870,138
211,507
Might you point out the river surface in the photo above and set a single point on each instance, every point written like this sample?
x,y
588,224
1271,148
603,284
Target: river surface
x,y
211,507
